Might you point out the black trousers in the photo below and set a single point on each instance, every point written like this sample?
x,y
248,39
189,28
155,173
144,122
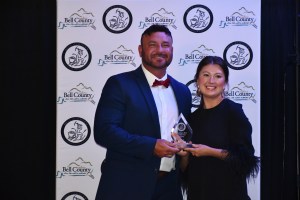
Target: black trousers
x,y
168,187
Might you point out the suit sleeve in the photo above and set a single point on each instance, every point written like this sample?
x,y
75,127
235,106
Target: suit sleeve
x,y
117,122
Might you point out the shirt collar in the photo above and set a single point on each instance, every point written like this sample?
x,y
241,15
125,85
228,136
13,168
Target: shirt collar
x,y
151,78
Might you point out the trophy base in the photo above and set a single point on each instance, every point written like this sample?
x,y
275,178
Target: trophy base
x,y
184,145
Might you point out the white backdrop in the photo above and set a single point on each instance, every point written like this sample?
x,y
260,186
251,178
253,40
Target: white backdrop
x,y
99,38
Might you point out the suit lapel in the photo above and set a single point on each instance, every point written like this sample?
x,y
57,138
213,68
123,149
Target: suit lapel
x,y
177,92
146,91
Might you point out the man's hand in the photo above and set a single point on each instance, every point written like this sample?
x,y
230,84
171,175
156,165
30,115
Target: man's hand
x,y
164,148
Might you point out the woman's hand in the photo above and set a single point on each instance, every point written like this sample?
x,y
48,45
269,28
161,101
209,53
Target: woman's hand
x,y
199,150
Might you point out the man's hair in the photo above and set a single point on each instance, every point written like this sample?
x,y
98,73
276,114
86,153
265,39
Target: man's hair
x,y
156,28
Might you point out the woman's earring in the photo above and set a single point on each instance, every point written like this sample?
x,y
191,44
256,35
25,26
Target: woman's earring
x,y
223,93
198,90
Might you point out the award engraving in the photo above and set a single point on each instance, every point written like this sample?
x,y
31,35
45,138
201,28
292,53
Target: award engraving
x,y
185,132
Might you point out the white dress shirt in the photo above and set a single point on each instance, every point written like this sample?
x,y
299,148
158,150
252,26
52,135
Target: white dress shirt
x,y
167,112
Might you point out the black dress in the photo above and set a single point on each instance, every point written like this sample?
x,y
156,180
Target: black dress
x,y
226,127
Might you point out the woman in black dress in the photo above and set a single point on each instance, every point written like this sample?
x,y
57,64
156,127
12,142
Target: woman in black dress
x,y
222,158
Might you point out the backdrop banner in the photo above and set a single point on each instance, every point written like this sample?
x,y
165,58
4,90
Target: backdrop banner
x,y
100,38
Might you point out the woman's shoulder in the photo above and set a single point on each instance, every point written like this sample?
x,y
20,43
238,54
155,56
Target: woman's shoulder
x,y
235,109
232,104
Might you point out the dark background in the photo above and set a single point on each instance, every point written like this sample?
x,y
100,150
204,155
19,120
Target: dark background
x,y
29,99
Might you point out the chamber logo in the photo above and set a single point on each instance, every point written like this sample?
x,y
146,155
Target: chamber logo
x,y
238,55
161,17
121,55
117,19
75,131
74,196
242,17
76,56
198,18
241,92
79,93
79,167
196,55
81,18
195,98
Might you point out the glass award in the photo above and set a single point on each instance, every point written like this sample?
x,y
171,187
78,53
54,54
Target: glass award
x,y
185,132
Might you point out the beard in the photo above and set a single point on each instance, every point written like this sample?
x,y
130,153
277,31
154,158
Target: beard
x,y
152,63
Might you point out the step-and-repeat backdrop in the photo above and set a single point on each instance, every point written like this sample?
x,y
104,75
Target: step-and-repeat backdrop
x,y
99,38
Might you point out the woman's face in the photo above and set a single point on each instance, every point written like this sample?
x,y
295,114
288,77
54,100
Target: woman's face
x,y
211,81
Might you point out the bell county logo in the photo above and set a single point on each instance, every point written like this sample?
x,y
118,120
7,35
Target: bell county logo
x,y
74,196
242,17
196,55
79,167
238,55
75,131
117,19
121,55
161,17
198,18
241,92
81,18
76,56
80,93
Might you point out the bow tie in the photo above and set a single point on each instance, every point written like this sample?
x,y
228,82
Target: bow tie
x,y
164,83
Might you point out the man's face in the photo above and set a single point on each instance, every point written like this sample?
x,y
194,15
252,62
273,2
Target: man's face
x,y
156,50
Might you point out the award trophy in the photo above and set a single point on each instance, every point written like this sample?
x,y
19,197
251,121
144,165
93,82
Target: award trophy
x,y
183,129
